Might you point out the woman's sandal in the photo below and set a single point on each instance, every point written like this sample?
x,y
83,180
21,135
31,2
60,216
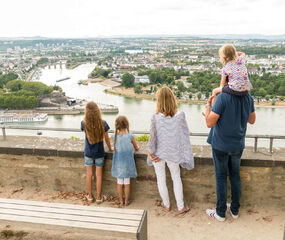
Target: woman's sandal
x,y
184,210
164,207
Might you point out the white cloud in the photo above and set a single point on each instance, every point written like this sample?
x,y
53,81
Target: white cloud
x,y
74,18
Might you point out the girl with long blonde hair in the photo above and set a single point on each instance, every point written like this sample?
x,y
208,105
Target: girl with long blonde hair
x,y
123,164
96,130
169,143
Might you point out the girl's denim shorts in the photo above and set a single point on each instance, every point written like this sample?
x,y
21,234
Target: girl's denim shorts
x,y
99,162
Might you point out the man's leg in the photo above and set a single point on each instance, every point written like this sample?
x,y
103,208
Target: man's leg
x,y
234,170
221,167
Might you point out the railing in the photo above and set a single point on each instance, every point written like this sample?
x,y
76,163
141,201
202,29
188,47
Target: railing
x,y
254,136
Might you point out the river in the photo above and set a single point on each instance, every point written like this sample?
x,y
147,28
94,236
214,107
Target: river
x,y
139,111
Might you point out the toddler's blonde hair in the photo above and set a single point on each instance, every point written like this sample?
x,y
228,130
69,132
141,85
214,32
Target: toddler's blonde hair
x,y
166,102
121,123
227,53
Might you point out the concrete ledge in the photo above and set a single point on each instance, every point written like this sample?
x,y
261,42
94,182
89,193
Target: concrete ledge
x,y
74,149
16,151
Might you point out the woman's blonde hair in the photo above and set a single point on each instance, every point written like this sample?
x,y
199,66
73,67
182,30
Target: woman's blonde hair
x,y
227,53
93,123
121,123
166,102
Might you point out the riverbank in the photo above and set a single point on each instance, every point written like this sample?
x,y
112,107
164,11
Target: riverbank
x,y
104,81
129,92
72,66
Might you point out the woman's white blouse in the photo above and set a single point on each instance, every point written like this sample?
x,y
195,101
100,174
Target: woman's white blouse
x,y
169,140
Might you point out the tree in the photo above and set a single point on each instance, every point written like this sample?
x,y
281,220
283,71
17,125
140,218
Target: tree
x,y
199,96
178,94
138,89
190,95
42,61
128,80
15,85
37,88
181,86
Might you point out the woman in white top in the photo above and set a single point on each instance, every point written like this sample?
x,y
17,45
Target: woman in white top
x,y
169,143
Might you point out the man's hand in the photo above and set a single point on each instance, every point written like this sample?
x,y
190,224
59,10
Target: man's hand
x,y
210,117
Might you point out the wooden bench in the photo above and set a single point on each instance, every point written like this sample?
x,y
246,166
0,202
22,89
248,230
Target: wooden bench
x,y
123,223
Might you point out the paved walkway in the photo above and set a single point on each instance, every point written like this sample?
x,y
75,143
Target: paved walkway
x,y
253,223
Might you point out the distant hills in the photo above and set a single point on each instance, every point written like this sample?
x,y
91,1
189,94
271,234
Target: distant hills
x,y
209,36
244,36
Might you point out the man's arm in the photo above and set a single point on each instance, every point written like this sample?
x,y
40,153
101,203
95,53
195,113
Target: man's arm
x,y
211,117
252,118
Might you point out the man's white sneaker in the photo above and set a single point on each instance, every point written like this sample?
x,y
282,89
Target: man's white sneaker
x,y
212,213
229,209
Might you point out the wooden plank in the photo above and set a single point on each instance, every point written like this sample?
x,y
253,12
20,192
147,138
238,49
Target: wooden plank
x,y
79,218
68,223
86,212
72,206
142,229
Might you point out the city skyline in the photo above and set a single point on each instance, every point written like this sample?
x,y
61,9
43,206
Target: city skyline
x,y
86,19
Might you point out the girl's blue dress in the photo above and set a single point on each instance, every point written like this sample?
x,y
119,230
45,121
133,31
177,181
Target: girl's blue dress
x,y
123,164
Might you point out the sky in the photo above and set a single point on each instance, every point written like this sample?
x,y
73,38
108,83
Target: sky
x,y
93,18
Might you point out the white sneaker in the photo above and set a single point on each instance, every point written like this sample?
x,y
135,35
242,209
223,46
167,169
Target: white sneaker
x,y
212,213
229,209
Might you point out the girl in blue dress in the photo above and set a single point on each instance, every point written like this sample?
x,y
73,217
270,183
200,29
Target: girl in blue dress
x,y
123,164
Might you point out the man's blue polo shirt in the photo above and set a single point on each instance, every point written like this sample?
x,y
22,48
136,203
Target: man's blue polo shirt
x,y
229,132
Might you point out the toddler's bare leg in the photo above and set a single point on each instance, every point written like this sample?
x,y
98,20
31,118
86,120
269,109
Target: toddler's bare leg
x,y
120,193
216,91
127,194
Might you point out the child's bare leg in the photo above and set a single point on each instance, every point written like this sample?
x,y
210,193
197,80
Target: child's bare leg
x,y
127,193
89,173
216,91
99,171
213,100
120,193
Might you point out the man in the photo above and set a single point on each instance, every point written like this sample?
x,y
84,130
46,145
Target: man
x,y
228,120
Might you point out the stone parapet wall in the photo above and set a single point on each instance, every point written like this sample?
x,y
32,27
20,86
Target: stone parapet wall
x,y
62,169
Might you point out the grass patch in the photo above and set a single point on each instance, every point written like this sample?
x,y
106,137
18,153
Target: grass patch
x,y
74,138
142,138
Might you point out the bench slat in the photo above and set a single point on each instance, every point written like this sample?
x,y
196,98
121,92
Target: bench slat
x,y
72,206
68,223
78,218
85,212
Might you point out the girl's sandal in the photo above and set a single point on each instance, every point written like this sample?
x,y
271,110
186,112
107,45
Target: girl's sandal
x,y
184,210
90,200
99,201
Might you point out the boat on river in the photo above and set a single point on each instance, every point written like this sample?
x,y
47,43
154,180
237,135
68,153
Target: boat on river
x,y
22,117
62,79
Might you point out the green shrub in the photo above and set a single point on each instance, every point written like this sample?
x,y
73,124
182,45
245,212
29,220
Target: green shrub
x,y
142,138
